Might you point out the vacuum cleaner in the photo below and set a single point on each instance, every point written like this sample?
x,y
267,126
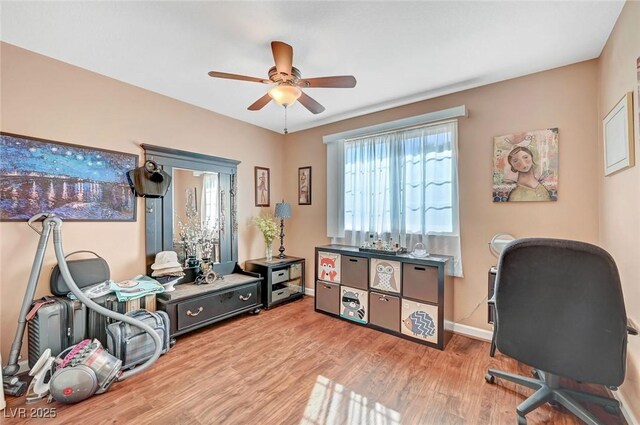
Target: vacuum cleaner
x,y
82,370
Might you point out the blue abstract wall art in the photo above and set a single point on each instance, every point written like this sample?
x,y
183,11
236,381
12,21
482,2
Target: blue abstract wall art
x,y
75,182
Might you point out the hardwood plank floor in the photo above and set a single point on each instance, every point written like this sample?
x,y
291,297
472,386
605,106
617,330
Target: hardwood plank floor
x,y
291,365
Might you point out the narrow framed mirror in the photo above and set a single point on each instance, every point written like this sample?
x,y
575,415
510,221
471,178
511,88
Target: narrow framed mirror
x,y
197,216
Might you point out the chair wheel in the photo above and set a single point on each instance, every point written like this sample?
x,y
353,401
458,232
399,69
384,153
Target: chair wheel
x,y
490,378
555,405
612,410
522,420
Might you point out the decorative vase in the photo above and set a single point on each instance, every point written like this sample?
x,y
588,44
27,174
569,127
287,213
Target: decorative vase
x,y
269,253
192,261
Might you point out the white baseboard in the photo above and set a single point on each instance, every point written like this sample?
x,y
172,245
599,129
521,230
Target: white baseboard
x,y
627,413
310,291
469,331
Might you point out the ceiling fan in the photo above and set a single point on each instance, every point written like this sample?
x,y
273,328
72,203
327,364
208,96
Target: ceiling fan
x,y
288,81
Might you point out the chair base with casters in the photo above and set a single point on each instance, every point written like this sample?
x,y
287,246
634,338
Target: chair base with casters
x,y
549,390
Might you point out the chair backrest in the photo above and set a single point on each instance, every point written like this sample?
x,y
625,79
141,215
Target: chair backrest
x,y
559,308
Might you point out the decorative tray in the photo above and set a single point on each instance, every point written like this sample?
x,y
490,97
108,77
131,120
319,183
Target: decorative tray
x,y
384,251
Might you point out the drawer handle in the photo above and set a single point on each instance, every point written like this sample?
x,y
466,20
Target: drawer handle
x,y
420,268
280,293
353,260
189,313
281,274
327,286
245,298
384,299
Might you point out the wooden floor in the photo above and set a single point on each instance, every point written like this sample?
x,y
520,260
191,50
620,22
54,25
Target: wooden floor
x,y
291,365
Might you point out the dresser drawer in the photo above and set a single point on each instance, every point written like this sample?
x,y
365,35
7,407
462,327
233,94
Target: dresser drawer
x,y
204,308
281,275
328,297
384,311
354,304
420,282
420,321
355,272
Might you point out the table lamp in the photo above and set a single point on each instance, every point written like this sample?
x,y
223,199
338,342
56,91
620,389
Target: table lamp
x,y
283,210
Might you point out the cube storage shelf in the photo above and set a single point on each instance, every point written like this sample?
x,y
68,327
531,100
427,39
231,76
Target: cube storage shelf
x,y
401,295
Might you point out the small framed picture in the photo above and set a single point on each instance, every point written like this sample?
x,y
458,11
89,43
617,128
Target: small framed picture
x,y
263,186
618,136
304,186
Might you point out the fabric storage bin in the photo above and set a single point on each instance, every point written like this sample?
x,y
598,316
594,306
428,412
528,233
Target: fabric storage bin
x,y
385,275
280,275
295,270
355,272
420,282
420,320
329,267
384,311
354,304
328,297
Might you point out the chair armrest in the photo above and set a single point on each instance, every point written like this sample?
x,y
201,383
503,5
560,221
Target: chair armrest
x,y
630,329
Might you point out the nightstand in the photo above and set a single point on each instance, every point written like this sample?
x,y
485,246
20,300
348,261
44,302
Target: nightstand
x,y
283,278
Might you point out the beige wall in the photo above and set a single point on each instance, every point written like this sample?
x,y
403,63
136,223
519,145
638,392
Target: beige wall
x,y
619,193
563,98
46,98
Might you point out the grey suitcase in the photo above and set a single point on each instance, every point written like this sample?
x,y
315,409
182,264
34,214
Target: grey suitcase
x,y
56,325
131,344
97,323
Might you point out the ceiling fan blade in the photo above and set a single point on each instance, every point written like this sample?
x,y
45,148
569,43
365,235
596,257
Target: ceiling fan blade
x,y
310,103
260,103
283,57
341,81
217,74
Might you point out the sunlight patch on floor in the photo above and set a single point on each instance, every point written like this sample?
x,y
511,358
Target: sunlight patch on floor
x,y
332,403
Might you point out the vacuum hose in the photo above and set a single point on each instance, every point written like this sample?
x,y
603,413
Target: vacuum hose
x,y
56,223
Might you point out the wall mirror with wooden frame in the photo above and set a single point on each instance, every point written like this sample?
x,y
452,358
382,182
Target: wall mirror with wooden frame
x,y
201,196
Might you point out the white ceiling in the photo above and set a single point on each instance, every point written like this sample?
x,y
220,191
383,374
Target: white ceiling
x,y
400,52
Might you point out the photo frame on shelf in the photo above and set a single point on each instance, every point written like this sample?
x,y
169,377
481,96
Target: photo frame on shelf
x,y
262,183
618,136
77,183
304,186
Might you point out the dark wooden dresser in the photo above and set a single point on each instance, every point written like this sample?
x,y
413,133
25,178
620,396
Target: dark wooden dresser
x,y
397,294
192,306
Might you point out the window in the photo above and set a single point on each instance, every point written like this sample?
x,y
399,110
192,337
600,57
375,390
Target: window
x,y
399,184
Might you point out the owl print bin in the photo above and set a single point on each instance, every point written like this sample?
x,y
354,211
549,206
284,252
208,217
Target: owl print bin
x,y
385,275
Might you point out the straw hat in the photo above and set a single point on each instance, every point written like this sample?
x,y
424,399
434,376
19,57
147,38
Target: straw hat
x,y
166,260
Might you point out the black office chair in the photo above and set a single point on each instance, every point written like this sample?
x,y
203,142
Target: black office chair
x,y
559,308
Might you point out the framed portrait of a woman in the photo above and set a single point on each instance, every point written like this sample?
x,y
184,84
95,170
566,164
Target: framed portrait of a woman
x,y
525,166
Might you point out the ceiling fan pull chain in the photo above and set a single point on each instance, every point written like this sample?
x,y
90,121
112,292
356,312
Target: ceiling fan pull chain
x,y
285,120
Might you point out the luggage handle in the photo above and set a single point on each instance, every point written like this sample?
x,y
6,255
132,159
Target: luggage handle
x,y
78,252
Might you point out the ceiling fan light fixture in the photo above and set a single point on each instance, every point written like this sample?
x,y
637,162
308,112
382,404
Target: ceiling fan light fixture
x,y
285,94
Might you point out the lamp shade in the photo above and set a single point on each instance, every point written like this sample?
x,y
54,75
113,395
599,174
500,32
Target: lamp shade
x,y
285,94
283,210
